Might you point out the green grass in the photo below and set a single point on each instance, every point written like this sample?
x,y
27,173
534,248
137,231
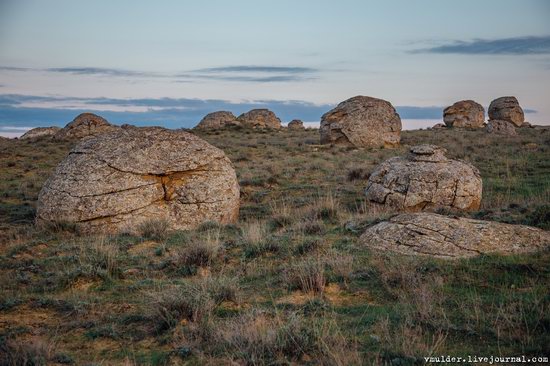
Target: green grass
x,y
236,292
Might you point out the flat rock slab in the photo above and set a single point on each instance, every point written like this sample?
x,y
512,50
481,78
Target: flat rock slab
x,y
433,235
116,181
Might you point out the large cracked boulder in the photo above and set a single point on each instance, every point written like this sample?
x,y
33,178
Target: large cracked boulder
x,y
433,235
40,132
217,120
500,127
425,179
507,109
84,125
116,181
465,113
361,122
260,118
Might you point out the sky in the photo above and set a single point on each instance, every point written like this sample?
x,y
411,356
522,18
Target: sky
x,y
171,62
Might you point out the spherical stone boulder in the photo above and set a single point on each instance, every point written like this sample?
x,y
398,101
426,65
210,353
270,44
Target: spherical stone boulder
x,y
39,132
425,179
260,118
84,125
465,113
216,120
116,181
296,124
433,235
361,122
438,126
507,109
500,127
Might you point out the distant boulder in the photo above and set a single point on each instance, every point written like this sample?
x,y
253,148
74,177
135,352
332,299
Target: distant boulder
x,y
259,118
40,132
500,127
85,124
425,179
438,126
361,122
217,120
296,124
465,113
507,109
433,235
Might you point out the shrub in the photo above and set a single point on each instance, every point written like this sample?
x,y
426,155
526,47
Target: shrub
x,y
200,253
60,226
193,300
32,352
258,338
357,174
155,229
540,217
100,258
307,275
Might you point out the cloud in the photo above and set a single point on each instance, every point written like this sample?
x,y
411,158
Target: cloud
x,y
531,45
97,71
254,73
239,73
261,69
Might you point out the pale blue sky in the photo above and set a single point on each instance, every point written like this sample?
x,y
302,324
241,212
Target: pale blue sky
x,y
299,58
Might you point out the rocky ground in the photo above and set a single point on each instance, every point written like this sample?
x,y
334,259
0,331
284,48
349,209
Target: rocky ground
x,y
291,281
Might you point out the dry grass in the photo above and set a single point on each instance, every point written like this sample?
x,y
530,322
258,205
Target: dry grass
x,y
288,283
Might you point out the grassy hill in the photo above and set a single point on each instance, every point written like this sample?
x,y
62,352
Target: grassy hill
x,y
288,284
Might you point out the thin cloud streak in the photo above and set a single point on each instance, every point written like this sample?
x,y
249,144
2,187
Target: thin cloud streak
x,y
262,69
239,73
532,45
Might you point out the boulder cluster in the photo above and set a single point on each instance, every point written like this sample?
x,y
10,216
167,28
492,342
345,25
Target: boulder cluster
x,y
505,115
84,125
118,178
255,118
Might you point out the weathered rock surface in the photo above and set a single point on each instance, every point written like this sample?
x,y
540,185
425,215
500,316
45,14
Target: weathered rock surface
x,y
259,118
429,234
116,181
296,124
507,109
85,124
425,180
362,122
216,120
40,132
465,113
500,127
